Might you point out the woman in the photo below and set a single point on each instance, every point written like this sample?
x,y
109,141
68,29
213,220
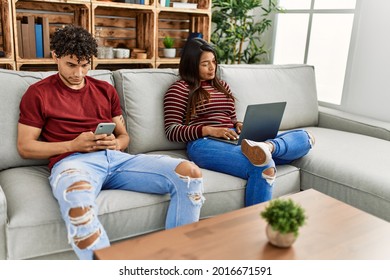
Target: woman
x,y
200,105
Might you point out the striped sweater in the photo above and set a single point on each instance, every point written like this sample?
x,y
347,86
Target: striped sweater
x,y
219,112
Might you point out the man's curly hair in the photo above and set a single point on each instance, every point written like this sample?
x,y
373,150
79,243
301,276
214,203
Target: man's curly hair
x,y
75,41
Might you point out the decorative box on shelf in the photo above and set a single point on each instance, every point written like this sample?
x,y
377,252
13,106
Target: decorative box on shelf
x,y
184,5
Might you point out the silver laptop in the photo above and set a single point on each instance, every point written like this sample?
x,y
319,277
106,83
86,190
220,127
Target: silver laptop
x,y
261,122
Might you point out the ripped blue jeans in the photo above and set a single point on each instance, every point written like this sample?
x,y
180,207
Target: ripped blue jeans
x,y
77,180
228,158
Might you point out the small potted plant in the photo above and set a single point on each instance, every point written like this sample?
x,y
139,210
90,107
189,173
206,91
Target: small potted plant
x,y
284,218
169,51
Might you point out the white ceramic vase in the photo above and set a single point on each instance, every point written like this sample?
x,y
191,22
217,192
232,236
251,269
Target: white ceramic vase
x,y
170,53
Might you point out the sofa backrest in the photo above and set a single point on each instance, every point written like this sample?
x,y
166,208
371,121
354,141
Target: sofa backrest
x,y
141,92
265,83
13,85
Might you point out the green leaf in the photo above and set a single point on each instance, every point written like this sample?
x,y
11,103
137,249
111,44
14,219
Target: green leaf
x,y
284,216
235,24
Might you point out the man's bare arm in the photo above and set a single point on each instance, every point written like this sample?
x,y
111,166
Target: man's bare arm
x,y
121,133
30,147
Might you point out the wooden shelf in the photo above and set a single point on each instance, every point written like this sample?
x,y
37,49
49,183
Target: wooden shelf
x,y
7,64
58,12
124,63
120,25
123,4
204,5
179,26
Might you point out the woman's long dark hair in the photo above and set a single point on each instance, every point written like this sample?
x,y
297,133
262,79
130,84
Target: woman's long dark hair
x,y
189,72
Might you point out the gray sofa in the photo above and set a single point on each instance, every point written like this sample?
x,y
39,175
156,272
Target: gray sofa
x,y
349,161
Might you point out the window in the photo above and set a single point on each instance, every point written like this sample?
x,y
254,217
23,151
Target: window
x,y
316,32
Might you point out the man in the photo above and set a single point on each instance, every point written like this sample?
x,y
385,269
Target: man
x,y
57,118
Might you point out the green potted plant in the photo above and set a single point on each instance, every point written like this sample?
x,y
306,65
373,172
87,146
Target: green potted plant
x,y
284,218
238,33
168,43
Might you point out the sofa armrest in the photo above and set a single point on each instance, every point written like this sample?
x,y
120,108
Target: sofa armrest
x,y
336,119
3,224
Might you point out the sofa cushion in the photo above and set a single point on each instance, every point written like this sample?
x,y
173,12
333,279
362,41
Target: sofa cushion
x,y
142,94
13,85
351,167
295,84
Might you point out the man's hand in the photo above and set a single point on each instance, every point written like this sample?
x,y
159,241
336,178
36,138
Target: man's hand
x,y
107,142
89,142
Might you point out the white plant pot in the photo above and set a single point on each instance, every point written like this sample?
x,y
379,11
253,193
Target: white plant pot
x,y
282,240
170,53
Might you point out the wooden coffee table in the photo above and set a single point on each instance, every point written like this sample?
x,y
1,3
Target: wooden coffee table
x,y
334,231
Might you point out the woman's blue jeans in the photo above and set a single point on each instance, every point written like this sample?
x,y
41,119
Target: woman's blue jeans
x,y
227,158
121,171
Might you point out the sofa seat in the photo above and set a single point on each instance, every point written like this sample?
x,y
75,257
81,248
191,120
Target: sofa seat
x,y
35,227
351,167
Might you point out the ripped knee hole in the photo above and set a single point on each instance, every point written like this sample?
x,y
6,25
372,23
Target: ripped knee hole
x,y
86,241
195,197
80,215
269,172
69,171
82,185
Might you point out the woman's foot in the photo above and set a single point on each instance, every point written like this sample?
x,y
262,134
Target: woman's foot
x,y
258,153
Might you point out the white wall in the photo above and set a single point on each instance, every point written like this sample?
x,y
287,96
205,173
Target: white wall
x,y
367,83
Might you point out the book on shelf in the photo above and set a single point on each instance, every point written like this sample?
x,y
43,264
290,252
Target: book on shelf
x,y
25,40
20,37
140,2
31,30
45,35
183,5
31,35
38,40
